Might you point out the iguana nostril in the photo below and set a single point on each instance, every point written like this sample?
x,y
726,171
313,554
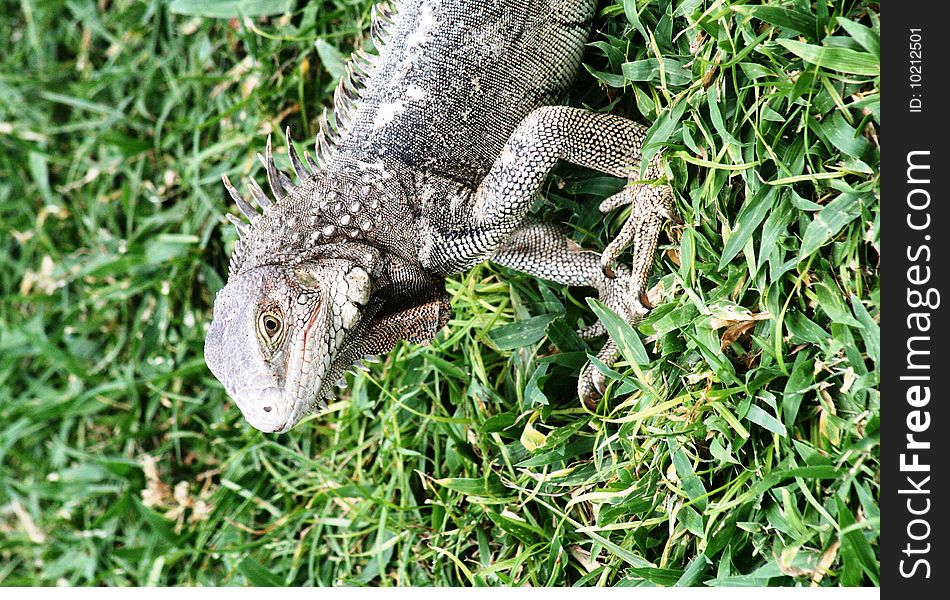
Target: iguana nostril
x,y
267,409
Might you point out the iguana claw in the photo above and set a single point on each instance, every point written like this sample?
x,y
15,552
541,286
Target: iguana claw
x,y
592,384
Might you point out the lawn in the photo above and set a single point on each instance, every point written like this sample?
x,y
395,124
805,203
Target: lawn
x,y
738,443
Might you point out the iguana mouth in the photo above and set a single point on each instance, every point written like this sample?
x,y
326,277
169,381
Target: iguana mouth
x,y
277,393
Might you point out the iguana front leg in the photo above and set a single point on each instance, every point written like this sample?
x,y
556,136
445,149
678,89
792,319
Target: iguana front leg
x,y
498,207
604,142
544,251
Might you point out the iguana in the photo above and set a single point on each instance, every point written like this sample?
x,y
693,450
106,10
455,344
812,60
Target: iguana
x,y
428,164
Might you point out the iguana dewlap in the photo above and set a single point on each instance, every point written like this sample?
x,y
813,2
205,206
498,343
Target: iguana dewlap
x,y
428,164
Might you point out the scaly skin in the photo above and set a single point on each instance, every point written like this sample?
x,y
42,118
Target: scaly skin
x,y
428,165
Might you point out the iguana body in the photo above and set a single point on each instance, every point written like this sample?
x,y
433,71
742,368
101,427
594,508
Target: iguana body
x,y
427,166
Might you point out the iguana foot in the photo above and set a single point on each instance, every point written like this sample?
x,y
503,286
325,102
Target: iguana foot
x,y
615,292
545,251
498,208
592,383
624,290
650,205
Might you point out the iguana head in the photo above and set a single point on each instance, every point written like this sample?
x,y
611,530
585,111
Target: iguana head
x,y
296,297
276,333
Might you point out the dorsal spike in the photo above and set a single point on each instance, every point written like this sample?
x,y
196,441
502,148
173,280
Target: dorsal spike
x,y
351,79
258,194
330,127
356,75
359,69
363,67
362,60
240,225
325,139
302,173
322,122
242,204
322,148
273,179
338,101
341,109
285,181
313,164
379,26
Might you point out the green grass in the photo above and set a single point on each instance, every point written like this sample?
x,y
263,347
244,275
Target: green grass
x,y
738,443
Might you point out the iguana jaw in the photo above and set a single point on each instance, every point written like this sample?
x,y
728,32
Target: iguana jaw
x,y
307,366
276,382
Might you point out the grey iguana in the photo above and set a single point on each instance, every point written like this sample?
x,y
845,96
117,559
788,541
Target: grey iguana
x,y
428,164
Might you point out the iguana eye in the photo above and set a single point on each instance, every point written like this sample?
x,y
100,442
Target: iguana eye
x,y
270,325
